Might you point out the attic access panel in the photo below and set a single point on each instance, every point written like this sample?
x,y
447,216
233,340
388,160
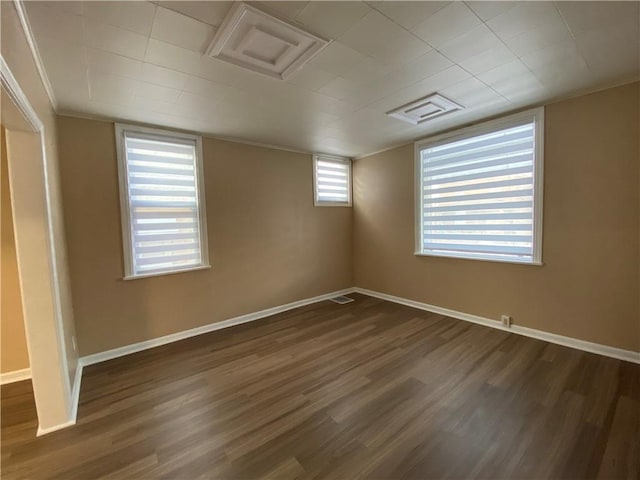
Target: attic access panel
x,y
253,39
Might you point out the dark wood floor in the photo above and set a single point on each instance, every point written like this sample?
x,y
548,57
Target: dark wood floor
x,y
365,390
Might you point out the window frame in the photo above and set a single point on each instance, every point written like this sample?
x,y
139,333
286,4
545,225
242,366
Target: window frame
x,y
332,158
537,115
121,129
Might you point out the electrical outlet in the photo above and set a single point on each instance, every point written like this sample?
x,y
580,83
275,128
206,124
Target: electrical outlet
x,y
506,320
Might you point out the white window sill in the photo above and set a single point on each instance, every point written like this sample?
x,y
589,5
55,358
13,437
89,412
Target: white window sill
x,y
497,260
171,272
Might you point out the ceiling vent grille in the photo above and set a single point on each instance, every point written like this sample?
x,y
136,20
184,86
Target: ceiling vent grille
x,y
255,40
425,108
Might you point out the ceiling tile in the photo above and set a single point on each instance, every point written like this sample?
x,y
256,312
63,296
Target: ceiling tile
x,y
311,78
488,60
339,88
583,16
337,58
156,105
99,60
378,37
477,40
560,66
472,93
550,32
446,24
172,57
427,65
49,23
180,30
408,14
205,88
73,7
512,80
285,9
163,76
134,16
523,17
367,70
152,91
212,13
109,88
331,19
115,40
488,10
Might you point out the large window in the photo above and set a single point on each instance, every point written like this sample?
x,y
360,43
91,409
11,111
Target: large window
x,y
331,181
479,191
162,201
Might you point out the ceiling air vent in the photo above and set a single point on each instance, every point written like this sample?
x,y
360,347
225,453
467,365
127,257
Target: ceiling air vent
x,y
424,109
255,40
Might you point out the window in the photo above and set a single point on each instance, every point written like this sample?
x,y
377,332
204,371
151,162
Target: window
x,y
479,191
331,181
162,201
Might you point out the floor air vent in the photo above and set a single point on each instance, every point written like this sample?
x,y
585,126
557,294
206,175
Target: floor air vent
x,y
341,299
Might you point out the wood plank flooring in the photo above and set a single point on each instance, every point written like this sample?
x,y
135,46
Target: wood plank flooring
x,y
364,390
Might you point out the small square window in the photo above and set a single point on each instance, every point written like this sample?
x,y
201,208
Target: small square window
x,y
331,181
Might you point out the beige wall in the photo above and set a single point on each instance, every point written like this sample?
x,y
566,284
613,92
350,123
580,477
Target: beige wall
x,y
50,336
268,244
13,344
588,287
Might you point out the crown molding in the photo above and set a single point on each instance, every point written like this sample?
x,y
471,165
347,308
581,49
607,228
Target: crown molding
x,y
28,33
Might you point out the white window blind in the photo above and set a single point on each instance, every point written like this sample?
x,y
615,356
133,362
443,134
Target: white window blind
x,y
480,192
332,180
163,216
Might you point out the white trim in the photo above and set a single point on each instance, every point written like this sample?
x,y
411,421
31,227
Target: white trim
x,y
241,141
537,114
43,431
75,395
28,33
175,337
337,159
121,130
15,376
11,86
619,353
22,103
75,399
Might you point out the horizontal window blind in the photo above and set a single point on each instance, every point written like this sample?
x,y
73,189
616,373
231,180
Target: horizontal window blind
x,y
477,195
332,180
162,187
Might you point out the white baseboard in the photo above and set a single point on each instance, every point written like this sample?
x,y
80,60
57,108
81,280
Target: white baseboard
x,y
43,431
619,353
15,376
174,337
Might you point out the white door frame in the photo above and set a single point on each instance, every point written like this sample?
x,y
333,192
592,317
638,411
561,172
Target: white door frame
x,y
56,403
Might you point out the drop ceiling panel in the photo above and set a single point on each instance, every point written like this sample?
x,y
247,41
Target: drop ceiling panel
x,y
134,16
181,30
331,19
212,13
408,14
446,24
145,61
